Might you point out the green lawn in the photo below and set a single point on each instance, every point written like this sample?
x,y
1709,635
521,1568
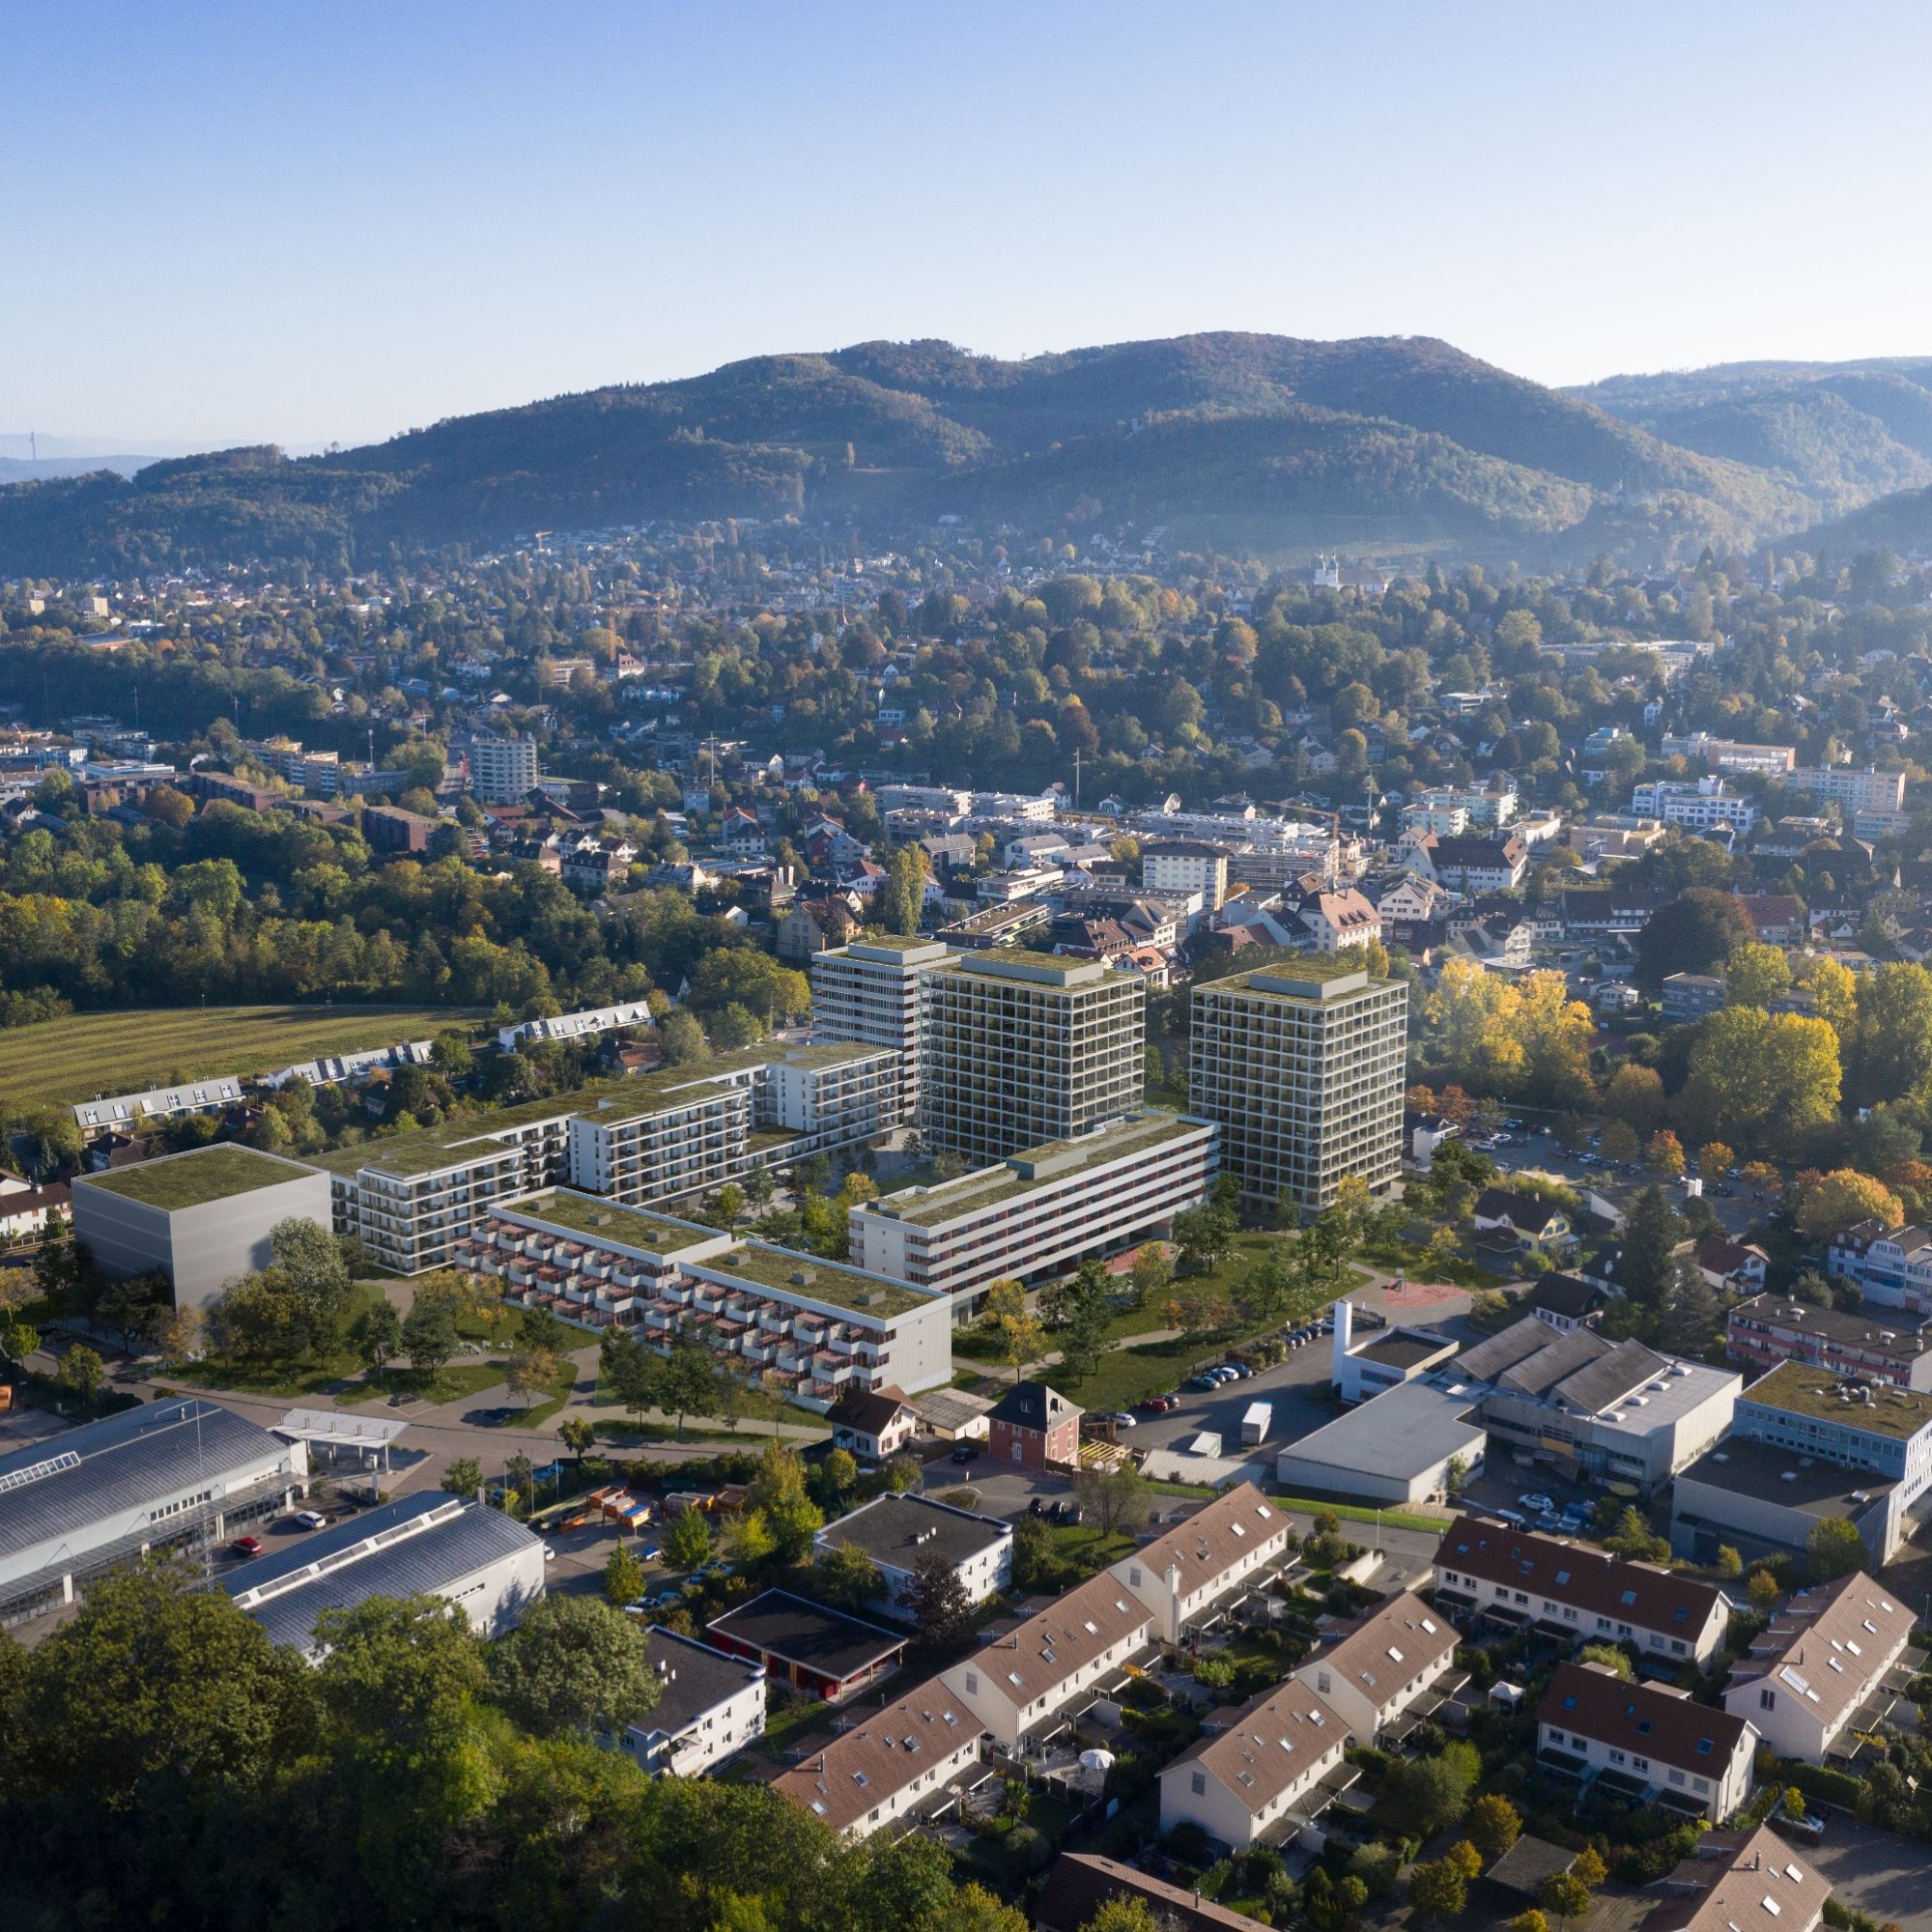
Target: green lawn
x,y
73,1058
540,1412
452,1382
1350,1513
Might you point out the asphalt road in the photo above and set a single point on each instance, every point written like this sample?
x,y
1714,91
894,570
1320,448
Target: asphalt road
x,y
1876,1872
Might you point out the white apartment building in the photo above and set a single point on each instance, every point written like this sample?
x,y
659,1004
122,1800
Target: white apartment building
x,y
1022,1048
1301,1068
1645,1741
1038,1213
1369,1674
1239,1783
903,1533
888,1764
1569,1589
1827,1663
414,1198
1701,805
872,992
1225,1545
1018,1681
710,1706
1186,866
800,1327
1868,790
501,770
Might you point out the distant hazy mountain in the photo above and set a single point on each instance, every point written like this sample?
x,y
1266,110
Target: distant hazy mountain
x,y
1252,441
22,469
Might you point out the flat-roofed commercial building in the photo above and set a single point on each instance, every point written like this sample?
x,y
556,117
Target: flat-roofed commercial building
x,y
110,1492
201,1218
1023,1048
477,1560
1301,1068
873,992
800,1326
1042,1210
1828,1663
1807,1442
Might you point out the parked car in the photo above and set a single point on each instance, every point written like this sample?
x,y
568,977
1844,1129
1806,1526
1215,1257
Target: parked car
x,y
1122,1419
245,1546
1066,1512
1513,1517
1810,1828
310,1520
1536,1501
965,1451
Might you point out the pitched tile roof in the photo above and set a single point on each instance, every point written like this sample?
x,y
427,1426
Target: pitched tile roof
x,y
880,1755
1063,1639
1033,1405
1388,1648
1272,1745
1741,1882
1215,1538
1080,1883
1638,1718
1574,1573
1828,1645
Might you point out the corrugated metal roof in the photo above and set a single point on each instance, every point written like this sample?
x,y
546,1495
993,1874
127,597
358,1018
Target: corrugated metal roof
x,y
125,1462
423,1564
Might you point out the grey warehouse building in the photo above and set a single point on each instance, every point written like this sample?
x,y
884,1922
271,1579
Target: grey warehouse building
x,y
433,1544
201,1218
150,1478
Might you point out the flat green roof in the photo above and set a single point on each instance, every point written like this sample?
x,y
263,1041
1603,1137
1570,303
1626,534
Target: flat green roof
x,y
1812,1393
194,1178
824,1053
1320,971
431,1147
610,1221
948,1200
829,1282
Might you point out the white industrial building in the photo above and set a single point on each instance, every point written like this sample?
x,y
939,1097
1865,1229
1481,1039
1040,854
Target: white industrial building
x,y
150,1478
478,1560
1395,1448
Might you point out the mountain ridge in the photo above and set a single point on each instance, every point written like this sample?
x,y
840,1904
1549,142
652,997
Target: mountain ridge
x,y
1271,442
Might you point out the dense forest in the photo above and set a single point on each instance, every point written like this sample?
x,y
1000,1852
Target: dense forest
x,y
1257,441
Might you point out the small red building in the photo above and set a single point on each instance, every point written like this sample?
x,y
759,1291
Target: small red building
x,y
814,1649
1036,1427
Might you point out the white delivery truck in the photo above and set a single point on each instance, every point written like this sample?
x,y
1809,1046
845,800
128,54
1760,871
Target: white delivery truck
x,y
1256,1423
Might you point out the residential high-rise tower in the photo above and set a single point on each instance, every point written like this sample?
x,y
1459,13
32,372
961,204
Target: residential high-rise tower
x,y
872,992
1301,1068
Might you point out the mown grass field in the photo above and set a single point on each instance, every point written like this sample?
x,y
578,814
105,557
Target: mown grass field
x,y
61,1062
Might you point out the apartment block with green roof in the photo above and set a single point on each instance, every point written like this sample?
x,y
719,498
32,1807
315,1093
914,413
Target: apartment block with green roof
x,y
1021,1048
1042,1210
1301,1068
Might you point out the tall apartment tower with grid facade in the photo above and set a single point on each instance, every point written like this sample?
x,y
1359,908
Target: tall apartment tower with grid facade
x,y
1022,1048
873,993
1301,1068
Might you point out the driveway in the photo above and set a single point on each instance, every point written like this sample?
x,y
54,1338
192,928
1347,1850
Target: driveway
x,y
1876,1872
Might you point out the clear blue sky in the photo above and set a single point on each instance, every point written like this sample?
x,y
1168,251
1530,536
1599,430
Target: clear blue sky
x,y
241,221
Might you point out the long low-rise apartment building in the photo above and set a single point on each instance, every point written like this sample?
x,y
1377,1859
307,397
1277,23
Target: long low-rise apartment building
x,y
803,1327
1827,1664
1384,1666
1039,1211
1267,1766
414,1199
1773,1329
1644,1741
1227,1545
1518,1577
